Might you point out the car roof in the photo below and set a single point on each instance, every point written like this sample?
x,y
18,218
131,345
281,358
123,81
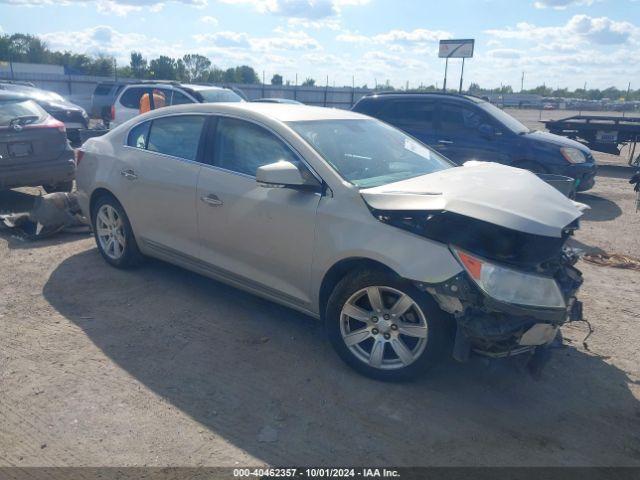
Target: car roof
x,y
282,112
190,86
415,95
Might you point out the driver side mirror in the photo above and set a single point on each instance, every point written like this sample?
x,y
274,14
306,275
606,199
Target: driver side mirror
x,y
285,174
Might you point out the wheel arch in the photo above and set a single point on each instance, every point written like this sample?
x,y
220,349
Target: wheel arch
x,y
337,272
98,193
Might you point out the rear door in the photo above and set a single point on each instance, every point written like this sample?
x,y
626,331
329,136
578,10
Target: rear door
x,y
260,237
465,132
157,180
414,116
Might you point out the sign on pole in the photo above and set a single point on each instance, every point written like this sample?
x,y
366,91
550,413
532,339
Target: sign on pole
x,y
460,48
456,48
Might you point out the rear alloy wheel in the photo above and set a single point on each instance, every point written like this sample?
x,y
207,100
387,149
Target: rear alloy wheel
x,y
383,326
113,234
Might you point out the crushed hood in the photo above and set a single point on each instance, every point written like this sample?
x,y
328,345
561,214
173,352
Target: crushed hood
x,y
506,196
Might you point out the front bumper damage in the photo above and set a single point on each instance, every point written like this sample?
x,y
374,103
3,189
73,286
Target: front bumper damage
x,y
496,329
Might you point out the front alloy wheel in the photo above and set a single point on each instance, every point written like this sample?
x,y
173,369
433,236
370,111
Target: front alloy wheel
x,y
383,326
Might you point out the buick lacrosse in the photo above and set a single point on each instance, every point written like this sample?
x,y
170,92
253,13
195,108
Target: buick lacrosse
x,y
401,254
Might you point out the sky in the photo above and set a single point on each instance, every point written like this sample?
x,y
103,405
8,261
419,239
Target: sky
x,y
561,43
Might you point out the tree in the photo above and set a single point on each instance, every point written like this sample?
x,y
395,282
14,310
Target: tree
x,y
276,79
247,75
163,68
138,65
196,67
216,75
102,65
309,82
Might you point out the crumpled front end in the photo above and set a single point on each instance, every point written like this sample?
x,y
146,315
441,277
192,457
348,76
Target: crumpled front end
x,y
495,328
516,289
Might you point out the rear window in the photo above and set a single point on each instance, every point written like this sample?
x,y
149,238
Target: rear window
x,y
178,136
408,113
215,95
103,89
131,97
27,111
138,135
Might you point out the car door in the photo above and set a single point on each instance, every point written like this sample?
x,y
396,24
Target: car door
x,y
259,237
464,132
416,117
159,175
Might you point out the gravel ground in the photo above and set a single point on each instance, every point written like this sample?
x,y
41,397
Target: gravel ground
x,y
160,366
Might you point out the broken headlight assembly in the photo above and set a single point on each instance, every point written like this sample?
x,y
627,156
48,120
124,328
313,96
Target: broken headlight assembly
x,y
511,286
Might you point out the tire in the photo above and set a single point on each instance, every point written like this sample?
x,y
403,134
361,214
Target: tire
x,y
377,337
113,234
59,187
534,167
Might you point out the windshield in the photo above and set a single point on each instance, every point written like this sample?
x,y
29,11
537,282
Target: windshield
x,y
369,153
215,95
13,109
504,118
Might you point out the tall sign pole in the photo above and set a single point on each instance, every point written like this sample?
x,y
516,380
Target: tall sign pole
x,y
461,75
446,66
462,48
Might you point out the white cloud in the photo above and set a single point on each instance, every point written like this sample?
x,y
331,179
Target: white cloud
x,y
209,20
305,9
504,53
418,36
561,4
115,7
283,40
578,29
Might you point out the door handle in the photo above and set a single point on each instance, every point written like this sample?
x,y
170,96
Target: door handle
x,y
445,142
211,200
129,174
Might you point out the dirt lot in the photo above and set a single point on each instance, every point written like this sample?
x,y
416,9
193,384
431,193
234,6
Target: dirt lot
x,y
160,366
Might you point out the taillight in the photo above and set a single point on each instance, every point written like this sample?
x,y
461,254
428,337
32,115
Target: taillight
x,y
79,156
113,112
50,122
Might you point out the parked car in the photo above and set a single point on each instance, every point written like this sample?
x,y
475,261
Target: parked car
x,y
463,127
73,116
278,100
103,97
127,103
33,147
344,218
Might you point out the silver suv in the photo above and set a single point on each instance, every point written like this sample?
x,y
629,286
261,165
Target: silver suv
x,y
343,218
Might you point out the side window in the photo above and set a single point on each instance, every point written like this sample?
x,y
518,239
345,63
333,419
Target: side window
x,y
131,97
178,136
180,98
404,114
459,119
243,147
139,135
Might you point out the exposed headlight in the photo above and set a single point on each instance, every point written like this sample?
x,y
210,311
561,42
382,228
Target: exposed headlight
x,y
573,155
511,286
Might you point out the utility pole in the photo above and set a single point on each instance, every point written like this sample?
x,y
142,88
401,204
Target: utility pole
x,y
522,83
